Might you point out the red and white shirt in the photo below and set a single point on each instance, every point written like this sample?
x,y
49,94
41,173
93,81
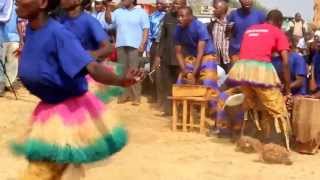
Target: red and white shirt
x,y
260,41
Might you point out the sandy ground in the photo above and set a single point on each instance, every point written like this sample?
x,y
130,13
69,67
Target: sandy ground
x,y
156,153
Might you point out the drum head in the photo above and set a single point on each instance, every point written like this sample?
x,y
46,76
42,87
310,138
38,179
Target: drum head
x,y
235,100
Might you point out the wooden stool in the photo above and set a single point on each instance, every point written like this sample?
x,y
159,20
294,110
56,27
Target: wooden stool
x,y
189,103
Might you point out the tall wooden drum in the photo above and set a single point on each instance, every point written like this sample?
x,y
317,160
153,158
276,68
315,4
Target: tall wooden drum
x,y
306,124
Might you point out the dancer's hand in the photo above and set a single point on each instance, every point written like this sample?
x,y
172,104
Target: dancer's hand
x,y
132,77
289,101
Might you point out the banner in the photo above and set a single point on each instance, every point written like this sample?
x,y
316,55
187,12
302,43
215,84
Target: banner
x,y
201,8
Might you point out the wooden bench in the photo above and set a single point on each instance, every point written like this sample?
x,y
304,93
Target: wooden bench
x,y
188,120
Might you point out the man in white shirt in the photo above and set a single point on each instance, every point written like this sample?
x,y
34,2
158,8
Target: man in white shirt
x,y
298,27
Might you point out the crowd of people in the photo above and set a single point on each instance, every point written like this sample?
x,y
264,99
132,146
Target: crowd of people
x,y
59,42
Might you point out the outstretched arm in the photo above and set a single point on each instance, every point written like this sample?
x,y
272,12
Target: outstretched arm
x,y
99,74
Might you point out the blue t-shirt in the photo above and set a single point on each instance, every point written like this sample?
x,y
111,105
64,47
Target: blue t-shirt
x,y
298,67
241,22
87,29
129,24
8,30
189,37
53,62
316,66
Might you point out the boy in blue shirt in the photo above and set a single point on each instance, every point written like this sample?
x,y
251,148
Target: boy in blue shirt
x,y
298,69
195,51
242,18
86,28
298,72
315,76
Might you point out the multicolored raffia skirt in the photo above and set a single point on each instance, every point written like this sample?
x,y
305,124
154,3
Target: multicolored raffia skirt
x,y
106,92
254,73
78,130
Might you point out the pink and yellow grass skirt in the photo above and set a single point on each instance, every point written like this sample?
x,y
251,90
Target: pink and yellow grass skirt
x,y
253,73
78,130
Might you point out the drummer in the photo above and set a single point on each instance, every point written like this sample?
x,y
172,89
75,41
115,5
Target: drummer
x,y
316,76
195,51
298,70
260,82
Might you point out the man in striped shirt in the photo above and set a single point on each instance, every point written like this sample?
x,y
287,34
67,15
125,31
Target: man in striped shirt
x,y
218,28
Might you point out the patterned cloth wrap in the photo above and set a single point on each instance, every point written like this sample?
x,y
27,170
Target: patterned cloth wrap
x,y
208,72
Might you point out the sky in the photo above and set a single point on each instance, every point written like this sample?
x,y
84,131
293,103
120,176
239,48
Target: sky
x,y
290,7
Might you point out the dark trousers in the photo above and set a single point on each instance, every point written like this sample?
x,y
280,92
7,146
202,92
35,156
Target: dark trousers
x,y
155,86
130,59
169,75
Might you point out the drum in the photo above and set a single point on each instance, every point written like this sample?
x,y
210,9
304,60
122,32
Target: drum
x,y
306,124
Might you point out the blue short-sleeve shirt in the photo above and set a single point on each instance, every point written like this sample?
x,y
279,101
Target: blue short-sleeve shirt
x,y
53,63
189,37
316,66
130,24
241,22
87,29
298,67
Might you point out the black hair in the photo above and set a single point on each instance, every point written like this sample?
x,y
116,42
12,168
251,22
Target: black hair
x,y
275,16
85,3
52,5
188,9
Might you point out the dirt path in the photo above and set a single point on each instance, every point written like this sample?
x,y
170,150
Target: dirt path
x,y
156,153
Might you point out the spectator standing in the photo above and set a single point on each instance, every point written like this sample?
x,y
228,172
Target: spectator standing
x,y
132,27
9,39
242,18
298,27
169,65
100,13
152,49
218,30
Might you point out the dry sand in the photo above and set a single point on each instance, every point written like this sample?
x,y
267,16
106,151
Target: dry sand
x,y
156,153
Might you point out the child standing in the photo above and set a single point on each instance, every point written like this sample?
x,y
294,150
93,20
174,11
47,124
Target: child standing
x,y
69,125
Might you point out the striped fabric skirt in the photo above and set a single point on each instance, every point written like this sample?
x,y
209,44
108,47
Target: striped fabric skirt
x,y
78,130
208,71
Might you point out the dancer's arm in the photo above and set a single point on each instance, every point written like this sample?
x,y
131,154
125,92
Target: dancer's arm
x,y
99,74
104,49
286,71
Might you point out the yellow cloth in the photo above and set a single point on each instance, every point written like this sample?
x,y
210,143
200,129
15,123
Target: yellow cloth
x,y
268,99
271,103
